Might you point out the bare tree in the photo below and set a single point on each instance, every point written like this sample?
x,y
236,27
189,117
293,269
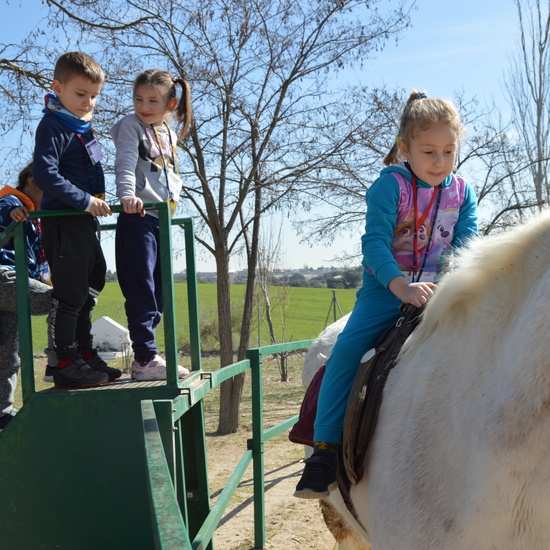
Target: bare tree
x,y
528,87
269,257
269,121
490,158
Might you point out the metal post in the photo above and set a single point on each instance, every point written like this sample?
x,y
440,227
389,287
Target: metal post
x,y
23,311
259,319
192,296
167,278
257,446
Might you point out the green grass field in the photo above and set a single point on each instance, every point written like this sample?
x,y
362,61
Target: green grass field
x,y
304,318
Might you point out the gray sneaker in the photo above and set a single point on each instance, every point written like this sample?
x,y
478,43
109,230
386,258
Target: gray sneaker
x,y
78,374
155,369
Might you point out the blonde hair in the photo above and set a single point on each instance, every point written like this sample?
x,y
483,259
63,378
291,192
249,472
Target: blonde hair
x,y
163,81
72,64
419,113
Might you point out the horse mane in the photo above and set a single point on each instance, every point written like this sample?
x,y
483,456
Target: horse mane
x,y
493,276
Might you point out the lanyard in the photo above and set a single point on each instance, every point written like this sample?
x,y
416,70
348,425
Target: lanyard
x,y
164,163
94,156
418,223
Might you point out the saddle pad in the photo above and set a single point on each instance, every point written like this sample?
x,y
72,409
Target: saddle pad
x,y
302,431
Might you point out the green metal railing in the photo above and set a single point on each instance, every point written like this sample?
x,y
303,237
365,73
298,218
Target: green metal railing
x,y
166,504
17,230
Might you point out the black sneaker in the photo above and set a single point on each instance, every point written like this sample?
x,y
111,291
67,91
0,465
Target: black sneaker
x,y
6,419
318,478
78,374
98,365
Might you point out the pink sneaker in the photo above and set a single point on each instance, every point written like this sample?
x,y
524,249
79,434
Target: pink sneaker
x,y
154,370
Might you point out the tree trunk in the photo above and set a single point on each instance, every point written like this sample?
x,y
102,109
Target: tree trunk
x,y
282,359
230,390
248,308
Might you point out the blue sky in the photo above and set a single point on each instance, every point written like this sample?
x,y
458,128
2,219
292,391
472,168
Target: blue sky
x,y
451,47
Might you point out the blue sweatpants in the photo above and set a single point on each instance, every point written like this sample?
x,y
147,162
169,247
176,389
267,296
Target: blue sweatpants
x,y
376,308
137,253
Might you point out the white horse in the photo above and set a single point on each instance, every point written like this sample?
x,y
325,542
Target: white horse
x,y
460,458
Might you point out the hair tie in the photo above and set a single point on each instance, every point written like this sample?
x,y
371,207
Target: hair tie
x,y
421,95
397,138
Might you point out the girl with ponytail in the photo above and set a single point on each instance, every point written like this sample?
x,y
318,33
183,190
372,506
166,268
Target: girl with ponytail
x,y
146,170
418,211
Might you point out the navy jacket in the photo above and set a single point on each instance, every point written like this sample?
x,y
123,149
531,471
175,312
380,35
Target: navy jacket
x,y
62,167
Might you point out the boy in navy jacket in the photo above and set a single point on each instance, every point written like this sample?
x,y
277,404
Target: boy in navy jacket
x,y
67,168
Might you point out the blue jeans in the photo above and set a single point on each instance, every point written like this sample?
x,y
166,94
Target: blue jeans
x,y
376,308
138,271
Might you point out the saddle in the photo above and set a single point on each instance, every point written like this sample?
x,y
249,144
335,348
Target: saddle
x,y
365,397
365,400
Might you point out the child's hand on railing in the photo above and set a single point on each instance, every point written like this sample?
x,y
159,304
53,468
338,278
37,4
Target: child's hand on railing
x,y
20,214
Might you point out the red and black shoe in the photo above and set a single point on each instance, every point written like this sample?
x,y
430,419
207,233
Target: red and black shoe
x,y
98,365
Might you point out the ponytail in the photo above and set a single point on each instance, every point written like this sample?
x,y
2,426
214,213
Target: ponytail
x,y
393,156
184,109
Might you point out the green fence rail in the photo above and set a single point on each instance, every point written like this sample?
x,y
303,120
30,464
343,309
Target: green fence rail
x,y
173,433
166,505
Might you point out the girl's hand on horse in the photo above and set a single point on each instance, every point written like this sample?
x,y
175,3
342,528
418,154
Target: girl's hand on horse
x,y
416,294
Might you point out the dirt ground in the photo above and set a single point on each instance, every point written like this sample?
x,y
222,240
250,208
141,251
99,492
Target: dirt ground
x,y
291,523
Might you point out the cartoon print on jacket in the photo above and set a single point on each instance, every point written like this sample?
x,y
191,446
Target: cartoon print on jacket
x,y
444,230
149,150
402,243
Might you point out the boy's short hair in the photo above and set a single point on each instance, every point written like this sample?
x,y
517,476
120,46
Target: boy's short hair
x,y
77,64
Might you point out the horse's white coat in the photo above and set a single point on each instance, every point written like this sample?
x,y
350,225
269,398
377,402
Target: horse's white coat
x,y
321,349
461,454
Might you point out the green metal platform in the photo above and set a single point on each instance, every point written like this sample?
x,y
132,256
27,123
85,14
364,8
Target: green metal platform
x,y
73,470
123,466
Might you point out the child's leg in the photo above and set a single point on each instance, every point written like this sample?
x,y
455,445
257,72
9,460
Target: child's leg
x,y
372,314
40,302
71,248
138,269
84,338
9,360
96,283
